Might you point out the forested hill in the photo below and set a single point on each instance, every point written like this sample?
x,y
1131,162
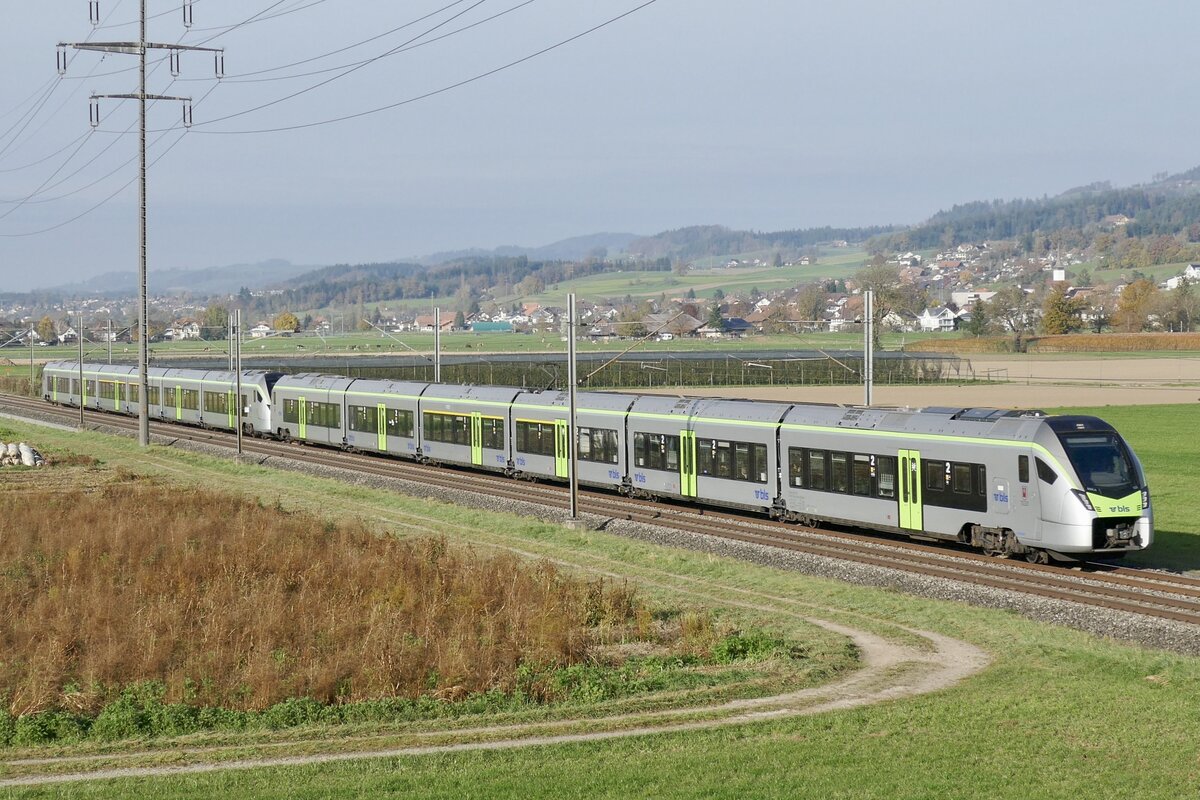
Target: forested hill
x,y
1169,206
700,241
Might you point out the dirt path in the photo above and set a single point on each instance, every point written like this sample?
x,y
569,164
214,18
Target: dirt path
x,y
889,671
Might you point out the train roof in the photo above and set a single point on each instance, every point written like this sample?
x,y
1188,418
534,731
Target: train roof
x,y
585,401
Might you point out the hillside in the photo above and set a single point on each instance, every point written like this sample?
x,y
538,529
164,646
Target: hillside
x,y
205,281
1168,206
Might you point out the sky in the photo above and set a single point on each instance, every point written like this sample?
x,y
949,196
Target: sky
x,y
759,114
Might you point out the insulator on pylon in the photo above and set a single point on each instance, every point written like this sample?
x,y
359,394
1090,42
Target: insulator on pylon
x,y
173,62
60,59
94,113
219,63
187,13
187,114
94,12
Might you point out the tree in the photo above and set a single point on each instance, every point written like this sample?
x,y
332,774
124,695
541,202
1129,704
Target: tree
x,y
215,323
1061,314
1135,304
715,319
811,302
1181,306
890,293
460,321
45,329
1010,309
979,323
286,322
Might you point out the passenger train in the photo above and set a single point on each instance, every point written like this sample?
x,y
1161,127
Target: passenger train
x,y
1011,483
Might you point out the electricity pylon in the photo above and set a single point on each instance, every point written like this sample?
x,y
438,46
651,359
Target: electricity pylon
x,y
139,49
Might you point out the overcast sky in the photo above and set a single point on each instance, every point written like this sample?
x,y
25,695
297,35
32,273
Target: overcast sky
x,y
763,114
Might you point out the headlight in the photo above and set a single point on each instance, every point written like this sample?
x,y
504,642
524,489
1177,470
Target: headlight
x,y
1145,498
1083,498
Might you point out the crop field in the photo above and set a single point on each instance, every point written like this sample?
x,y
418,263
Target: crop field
x,y
1056,713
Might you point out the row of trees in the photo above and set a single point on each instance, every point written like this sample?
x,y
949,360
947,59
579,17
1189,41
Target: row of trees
x,y
1141,306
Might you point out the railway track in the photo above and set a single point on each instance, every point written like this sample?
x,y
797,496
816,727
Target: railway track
x,y
1142,592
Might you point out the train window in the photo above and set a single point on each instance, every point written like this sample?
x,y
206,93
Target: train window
x,y
816,470
656,451
152,395
598,444
885,474
291,409
980,480
962,478
216,402
492,433
399,422
133,391
323,415
448,428
1023,469
741,453
107,390
169,398
1045,472
91,388
536,438
189,399
758,453
796,467
839,473
935,476
74,386
363,419
862,475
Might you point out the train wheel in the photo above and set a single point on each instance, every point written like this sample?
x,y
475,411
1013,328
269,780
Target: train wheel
x,y
1037,557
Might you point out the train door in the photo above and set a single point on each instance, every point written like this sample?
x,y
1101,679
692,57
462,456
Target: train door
x,y
303,418
476,438
687,463
381,424
562,448
231,408
911,517
178,402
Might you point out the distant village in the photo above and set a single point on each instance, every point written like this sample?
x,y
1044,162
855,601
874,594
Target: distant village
x,y
943,294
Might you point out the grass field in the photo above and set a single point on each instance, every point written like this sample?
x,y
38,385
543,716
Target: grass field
x,y
837,264
1058,714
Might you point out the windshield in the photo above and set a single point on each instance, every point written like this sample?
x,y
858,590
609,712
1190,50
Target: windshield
x,y
1102,463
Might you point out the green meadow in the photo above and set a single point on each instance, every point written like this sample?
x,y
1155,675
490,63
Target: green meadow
x,y
1057,714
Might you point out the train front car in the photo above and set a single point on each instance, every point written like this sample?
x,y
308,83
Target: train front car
x,y
1103,504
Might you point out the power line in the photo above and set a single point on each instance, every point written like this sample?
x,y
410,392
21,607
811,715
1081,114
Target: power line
x,y
417,98
403,49
122,188
257,18
343,74
52,86
239,78
98,205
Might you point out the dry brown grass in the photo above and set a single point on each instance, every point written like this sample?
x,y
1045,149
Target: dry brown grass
x,y
231,604
1070,343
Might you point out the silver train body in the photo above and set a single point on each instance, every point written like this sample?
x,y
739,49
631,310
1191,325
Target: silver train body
x,y
1007,482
